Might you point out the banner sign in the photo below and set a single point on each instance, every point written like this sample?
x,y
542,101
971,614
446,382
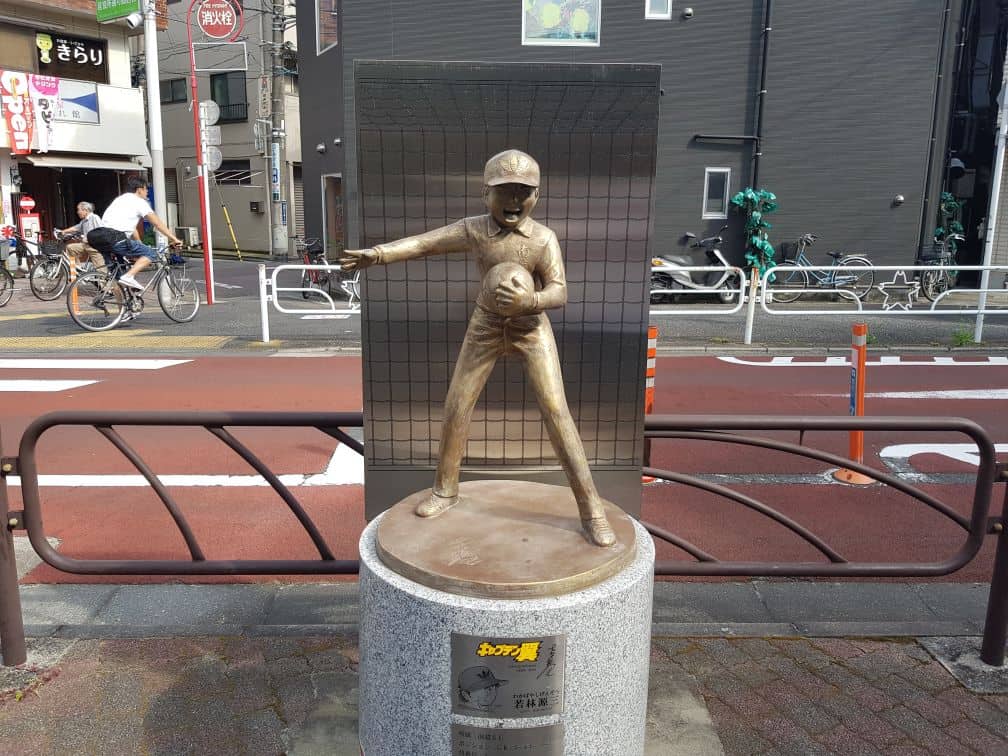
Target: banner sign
x,y
110,10
44,92
17,107
72,57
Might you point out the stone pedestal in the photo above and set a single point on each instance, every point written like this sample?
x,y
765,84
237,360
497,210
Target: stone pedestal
x,y
597,699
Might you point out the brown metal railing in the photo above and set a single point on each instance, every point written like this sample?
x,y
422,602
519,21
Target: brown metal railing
x,y
721,429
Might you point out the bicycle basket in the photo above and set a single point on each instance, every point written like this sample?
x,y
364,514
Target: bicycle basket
x,y
50,248
934,254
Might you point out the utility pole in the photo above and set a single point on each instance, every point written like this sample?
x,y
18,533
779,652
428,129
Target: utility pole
x,y
154,109
278,155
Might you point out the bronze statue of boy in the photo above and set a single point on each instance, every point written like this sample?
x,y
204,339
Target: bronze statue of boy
x,y
512,250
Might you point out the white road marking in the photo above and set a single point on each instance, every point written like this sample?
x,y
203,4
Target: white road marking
x,y
962,452
937,394
886,359
78,364
897,457
39,385
326,316
345,468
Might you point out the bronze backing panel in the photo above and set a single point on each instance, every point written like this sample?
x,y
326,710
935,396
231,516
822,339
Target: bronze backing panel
x,y
504,539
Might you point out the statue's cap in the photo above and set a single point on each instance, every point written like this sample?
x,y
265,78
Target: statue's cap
x,y
511,167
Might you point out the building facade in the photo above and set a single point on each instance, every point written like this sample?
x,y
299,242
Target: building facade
x,y
846,111
73,125
240,82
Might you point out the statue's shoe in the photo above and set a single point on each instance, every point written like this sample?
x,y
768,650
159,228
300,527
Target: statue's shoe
x,y
435,505
599,531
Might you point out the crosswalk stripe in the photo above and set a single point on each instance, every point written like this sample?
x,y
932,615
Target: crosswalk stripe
x,y
81,364
40,384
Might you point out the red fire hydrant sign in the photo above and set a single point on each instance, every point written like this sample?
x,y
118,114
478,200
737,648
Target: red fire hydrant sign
x,y
218,18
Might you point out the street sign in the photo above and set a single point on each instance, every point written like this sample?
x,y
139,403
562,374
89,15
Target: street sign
x,y
110,10
209,112
212,134
213,158
219,19
27,203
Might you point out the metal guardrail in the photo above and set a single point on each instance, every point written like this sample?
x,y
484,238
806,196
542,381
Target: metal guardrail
x,y
270,289
705,428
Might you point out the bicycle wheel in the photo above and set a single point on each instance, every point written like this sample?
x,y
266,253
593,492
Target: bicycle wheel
x,y
934,283
859,281
48,278
311,284
96,302
178,296
789,286
6,285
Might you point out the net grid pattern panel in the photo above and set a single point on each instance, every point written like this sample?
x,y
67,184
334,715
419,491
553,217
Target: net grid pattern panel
x,y
422,145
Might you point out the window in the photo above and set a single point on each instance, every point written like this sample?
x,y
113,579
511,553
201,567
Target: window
x,y
544,22
228,91
326,27
234,173
658,9
173,90
715,200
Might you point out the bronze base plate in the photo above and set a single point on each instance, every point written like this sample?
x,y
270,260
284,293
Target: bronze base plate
x,y
502,540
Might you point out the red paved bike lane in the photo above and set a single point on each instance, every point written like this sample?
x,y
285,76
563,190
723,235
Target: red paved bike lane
x,y
252,522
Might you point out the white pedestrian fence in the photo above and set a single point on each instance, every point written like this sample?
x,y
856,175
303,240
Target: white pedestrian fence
x,y
894,292
270,290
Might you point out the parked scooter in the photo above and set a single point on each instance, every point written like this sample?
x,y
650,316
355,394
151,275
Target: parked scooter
x,y
670,274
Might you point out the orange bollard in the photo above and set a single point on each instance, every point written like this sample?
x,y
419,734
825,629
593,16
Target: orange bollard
x,y
859,350
649,376
73,292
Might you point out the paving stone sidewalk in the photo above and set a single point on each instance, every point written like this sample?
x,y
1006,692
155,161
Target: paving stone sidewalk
x,y
297,695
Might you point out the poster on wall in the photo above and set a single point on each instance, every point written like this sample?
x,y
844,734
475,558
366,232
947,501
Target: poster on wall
x,y
78,102
561,22
17,108
31,225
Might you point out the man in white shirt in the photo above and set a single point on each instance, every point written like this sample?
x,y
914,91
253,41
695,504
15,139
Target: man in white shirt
x,y
125,212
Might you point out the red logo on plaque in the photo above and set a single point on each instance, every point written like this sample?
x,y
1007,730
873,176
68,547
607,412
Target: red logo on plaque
x,y
218,18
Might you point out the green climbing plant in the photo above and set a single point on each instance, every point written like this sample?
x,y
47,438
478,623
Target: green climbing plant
x,y
949,223
757,204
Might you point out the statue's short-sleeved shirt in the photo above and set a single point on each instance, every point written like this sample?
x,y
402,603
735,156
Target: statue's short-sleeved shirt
x,y
531,245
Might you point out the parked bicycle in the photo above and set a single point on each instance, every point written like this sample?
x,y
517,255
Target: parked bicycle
x,y
313,253
97,301
934,283
790,285
6,284
50,274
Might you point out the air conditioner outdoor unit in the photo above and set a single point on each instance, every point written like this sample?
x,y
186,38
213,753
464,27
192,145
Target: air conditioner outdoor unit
x,y
189,235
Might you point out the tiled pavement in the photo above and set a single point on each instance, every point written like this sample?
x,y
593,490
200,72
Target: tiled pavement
x,y
297,695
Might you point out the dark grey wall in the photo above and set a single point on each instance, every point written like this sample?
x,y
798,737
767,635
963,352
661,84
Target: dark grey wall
x,y
848,117
321,113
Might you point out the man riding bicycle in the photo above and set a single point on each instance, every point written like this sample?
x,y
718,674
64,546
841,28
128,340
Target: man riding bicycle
x,y
118,234
89,220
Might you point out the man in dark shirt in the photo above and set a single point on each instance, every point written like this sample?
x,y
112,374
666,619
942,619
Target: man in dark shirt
x,y
509,318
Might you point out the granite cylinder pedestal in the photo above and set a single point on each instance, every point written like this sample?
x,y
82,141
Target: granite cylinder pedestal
x,y
412,635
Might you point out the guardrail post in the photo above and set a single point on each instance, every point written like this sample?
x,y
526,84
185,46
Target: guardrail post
x,y
992,649
263,304
754,282
12,638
